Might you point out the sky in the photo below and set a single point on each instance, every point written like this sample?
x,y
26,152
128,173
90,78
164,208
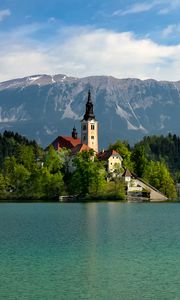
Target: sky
x,y
120,38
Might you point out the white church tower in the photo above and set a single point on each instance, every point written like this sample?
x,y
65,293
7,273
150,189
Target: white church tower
x,y
89,126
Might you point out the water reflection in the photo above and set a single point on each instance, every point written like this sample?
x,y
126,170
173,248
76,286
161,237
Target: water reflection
x,y
90,251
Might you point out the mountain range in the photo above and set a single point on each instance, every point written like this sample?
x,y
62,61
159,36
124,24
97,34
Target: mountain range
x,y
42,107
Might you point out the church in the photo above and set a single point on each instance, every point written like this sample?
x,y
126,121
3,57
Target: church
x,y
89,132
111,158
88,141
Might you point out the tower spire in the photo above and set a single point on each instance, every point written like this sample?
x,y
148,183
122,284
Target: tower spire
x,y
89,114
74,133
89,96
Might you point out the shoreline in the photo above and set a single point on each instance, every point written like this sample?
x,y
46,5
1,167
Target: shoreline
x,y
140,201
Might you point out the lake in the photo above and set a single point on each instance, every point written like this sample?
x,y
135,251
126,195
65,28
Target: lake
x,y
90,251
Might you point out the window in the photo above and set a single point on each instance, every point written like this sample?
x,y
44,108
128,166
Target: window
x,y
92,126
84,127
84,138
92,137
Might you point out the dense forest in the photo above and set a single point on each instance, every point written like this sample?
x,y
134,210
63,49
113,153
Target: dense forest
x,y
165,149
27,172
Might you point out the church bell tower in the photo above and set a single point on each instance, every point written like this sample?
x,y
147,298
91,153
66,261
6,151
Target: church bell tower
x,y
89,126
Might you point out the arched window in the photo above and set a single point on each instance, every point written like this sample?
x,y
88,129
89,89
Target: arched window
x,y
92,127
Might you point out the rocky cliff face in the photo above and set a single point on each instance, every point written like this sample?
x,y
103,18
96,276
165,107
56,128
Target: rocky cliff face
x,y
43,106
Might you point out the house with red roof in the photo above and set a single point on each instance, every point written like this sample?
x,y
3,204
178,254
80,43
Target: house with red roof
x,y
112,159
80,148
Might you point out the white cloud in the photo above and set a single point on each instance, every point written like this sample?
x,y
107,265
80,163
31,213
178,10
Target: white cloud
x,y
135,8
170,5
4,13
83,52
171,30
163,6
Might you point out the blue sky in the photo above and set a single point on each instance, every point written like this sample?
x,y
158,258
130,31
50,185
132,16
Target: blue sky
x,y
82,38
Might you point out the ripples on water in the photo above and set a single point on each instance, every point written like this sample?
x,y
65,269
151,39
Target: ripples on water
x,y
89,251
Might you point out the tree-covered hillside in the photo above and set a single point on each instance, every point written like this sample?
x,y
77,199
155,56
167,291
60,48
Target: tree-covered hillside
x,y
11,144
164,148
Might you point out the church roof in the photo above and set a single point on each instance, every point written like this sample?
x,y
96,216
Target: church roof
x,y
65,142
127,173
105,155
89,114
79,148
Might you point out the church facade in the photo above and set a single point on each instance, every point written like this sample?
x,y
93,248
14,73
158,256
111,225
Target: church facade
x,y
89,132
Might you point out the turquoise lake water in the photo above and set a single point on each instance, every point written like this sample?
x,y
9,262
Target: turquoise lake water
x,y
89,251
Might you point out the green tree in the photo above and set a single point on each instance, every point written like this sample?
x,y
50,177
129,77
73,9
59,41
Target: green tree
x,y
163,148
25,155
89,176
2,184
158,175
9,170
139,160
53,185
53,160
16,176
21,180
98,181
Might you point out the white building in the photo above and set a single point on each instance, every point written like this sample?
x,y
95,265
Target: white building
x,y
112,158
135,185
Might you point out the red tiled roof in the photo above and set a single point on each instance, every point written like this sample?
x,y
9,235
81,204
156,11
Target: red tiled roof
x,y
80,148
104,155
65,142
73,141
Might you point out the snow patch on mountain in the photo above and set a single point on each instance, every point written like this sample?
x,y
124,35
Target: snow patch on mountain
x,y
63,78
177,90
143,129
49,131
15,114
69,113
163,120
122,113
34,78
52,78
131,126
127,116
